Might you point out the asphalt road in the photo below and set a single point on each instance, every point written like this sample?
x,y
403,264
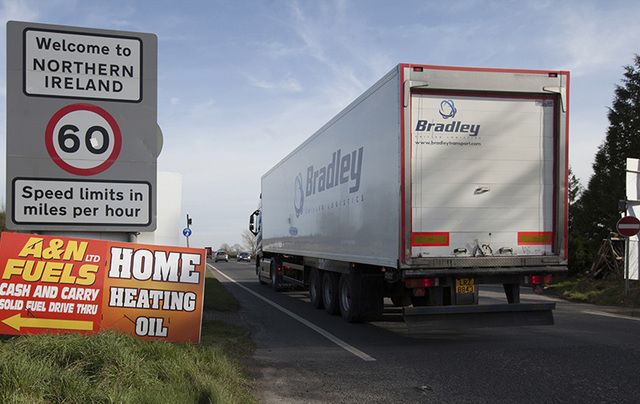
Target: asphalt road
x,y
304,355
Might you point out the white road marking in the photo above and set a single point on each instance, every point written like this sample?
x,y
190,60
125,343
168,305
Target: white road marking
x,y
605,314
314,327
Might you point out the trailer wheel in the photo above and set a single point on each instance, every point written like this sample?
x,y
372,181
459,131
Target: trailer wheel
x,y
315,288
330,292
259,272
276,280
349,300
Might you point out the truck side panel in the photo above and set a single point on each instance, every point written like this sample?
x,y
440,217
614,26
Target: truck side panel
x,y
337,196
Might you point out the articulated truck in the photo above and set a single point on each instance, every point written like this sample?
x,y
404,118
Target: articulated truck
x,y
433,182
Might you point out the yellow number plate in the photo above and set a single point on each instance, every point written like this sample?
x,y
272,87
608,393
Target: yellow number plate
x,y
465,286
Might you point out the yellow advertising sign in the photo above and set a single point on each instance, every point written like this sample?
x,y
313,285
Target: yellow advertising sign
x,y
54,284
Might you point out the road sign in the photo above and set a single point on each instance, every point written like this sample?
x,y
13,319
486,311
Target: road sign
x,y
186,232
628,226
83,139
82,133
88,286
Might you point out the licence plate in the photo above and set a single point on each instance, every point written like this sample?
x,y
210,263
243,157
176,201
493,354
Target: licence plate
x,y
465,286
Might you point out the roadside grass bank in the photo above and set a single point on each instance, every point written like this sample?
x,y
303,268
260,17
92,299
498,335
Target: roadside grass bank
x,y
598,291
110,367
216,296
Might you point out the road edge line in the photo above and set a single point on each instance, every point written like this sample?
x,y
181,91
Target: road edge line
x,y
347,347
605,314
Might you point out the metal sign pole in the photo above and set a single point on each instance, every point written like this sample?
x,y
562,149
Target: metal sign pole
x,y
626,266
188,233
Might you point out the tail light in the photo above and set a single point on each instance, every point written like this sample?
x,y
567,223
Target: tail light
x,y
421,283
428,282
542,279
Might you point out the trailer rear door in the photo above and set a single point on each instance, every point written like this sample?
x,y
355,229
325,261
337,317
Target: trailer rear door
x,y
482,174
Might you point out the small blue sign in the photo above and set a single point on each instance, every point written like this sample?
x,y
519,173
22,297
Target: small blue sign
x,y
186,232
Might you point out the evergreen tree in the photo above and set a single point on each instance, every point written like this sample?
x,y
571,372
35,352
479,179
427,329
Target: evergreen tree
x,y
579,255
597,210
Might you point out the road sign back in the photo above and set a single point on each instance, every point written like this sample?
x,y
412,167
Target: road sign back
x,y
628,226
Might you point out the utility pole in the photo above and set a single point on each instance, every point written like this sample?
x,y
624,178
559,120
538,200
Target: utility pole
x,y
187,230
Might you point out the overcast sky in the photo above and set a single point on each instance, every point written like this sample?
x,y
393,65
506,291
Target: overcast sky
x,y
241,83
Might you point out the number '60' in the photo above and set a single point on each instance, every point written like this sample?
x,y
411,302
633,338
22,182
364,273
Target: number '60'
x,y
69,132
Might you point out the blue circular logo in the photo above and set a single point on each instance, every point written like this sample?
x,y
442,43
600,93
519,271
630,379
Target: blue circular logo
x,y
447,109
298,198
186,232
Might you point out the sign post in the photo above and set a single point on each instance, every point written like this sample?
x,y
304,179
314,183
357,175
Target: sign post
x,y
82,135
627,226
187,233
187,230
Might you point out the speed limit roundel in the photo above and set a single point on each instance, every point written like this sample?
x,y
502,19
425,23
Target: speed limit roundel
x,y
83,139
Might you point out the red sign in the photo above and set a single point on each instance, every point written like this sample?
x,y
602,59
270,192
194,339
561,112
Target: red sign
x,y
628,226
83,139
52,284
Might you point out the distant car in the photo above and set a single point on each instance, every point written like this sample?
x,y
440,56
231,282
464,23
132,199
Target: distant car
x,y
221,256
244,256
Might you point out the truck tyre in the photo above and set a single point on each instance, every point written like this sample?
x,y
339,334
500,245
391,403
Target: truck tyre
x,y
258,272
330,292
276,279
315,288
349,299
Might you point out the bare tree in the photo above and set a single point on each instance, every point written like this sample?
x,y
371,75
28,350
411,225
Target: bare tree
x,y
249,242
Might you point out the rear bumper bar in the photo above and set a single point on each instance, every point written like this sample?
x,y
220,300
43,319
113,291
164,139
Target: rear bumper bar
x,y
438,318
472,272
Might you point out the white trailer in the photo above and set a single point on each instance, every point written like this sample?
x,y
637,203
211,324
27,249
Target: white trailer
x,y
435,180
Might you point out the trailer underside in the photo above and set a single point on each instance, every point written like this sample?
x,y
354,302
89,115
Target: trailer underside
x,y
430,298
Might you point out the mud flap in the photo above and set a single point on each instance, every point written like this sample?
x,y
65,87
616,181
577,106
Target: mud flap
x,y
440,318
367,295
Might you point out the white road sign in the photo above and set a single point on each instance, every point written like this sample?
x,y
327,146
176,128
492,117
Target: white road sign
x,y
82,202
72,65
83,139
82,135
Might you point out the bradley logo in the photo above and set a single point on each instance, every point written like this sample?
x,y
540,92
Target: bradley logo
x,y
298,196
342,169
448,110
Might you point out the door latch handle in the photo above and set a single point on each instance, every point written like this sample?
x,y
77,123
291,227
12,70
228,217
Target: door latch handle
x,y
481,190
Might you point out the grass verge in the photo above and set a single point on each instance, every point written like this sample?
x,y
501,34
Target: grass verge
x,y
111,367
598,291
216,297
